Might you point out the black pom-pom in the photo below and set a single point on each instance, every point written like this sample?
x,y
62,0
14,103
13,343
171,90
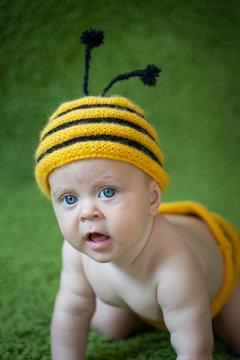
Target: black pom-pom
x,y
148,77
150,74
92,38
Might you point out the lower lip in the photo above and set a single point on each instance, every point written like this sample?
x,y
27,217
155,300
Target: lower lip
x,y
99,244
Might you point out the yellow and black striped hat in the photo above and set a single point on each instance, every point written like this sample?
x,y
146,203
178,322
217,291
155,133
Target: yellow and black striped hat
x,y
106,127
100,127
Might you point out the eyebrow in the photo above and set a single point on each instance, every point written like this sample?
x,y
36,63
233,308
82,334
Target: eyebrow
x,y
58,191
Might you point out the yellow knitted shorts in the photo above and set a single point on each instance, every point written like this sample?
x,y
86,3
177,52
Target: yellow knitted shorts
x,y
228,240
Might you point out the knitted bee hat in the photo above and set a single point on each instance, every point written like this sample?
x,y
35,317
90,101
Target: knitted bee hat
x,y
100,127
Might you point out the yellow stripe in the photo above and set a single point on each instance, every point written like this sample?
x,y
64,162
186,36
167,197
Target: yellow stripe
x,y
95,129
100,113
119,101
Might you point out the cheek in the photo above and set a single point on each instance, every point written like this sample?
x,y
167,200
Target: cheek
x,y
129,220
64,224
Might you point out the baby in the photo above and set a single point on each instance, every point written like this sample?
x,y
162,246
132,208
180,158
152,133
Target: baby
x,y
127,259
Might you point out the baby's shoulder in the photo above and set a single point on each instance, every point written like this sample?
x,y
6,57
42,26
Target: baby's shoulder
x,y
193,233
186,232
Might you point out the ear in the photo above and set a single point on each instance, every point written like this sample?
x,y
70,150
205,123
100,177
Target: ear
x,y
155,198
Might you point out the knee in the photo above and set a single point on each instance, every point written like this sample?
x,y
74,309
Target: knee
x,y
114,330
114,326
109,329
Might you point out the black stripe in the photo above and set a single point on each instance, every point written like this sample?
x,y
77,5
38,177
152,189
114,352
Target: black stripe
x,y
108,120
92,106
112,138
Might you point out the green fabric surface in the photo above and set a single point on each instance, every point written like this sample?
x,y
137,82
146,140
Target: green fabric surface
x,y
195,108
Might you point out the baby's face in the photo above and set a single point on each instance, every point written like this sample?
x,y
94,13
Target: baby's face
x,y
103,207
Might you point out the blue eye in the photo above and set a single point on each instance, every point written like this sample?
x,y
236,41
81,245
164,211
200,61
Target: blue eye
x,y
69,200
107,193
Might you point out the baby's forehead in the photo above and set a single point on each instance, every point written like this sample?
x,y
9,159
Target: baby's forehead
x,y
99,168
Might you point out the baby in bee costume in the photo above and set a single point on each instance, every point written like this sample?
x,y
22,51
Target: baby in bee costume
x,y
100,163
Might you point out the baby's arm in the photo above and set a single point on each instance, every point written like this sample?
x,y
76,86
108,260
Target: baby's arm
x,y
183,298
74,307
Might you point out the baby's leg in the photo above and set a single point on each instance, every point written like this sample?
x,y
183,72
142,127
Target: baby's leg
x,y
227,323
113,322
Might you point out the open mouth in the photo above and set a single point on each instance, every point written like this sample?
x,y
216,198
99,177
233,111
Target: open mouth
x,y
97,241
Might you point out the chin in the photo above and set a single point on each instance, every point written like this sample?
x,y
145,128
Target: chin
x,y
101,257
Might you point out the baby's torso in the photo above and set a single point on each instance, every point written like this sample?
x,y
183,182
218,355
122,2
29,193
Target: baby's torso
x,y
136,287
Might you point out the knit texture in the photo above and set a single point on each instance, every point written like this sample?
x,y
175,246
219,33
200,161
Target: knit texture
x,y
106,127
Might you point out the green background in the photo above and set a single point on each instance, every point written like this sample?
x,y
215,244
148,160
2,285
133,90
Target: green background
x,y
195,108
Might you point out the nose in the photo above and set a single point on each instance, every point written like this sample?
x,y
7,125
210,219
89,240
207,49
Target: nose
x,y
89,212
